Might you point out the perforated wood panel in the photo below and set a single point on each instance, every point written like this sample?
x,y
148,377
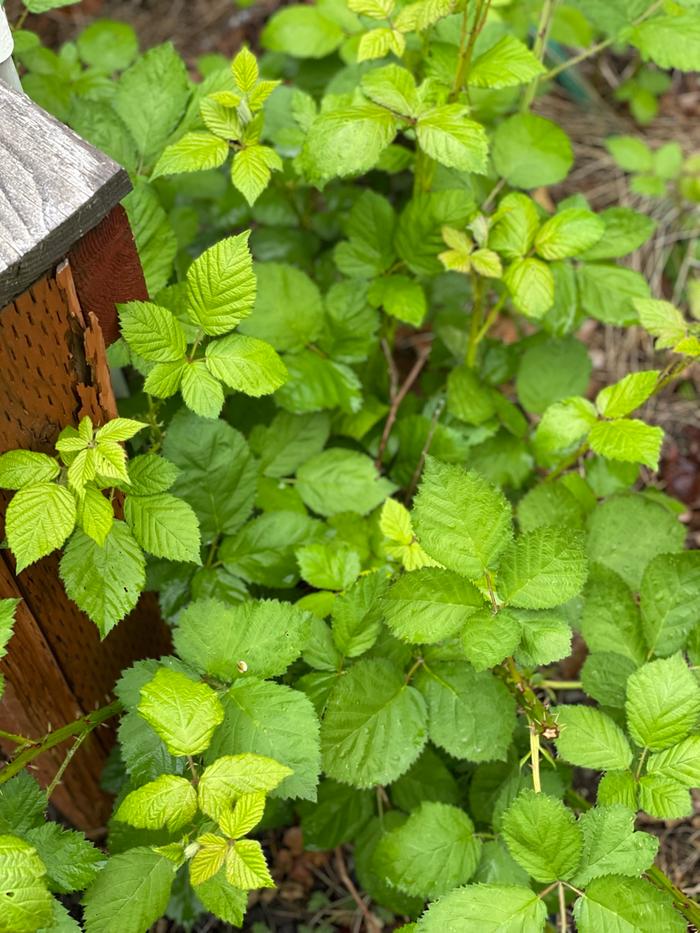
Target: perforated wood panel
x,y
53,370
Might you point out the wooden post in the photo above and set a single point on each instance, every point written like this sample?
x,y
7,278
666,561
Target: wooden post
x,y
66,256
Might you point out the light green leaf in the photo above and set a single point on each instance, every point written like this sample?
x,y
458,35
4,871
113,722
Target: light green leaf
x,y
668,599
95,514
232,777
611,846
615,903
245,816
208,859
514,226
506,64
530,151
564,424
662,319
105,582
302,31
487,638
183,712
108,45
246,364
337,480
169,801
590,739
275,721
545,638
165,379
150,474
623,397
246,867
221,285
480,703
377,43
630,152
664,798
629,440
568,233
152,332
543,568
434,851
447,136
194,152
670,41
486,908
130,893
663,703
429,605
357,615
542,836
679,763
609,293
164,525
215,638
201,392
462,521
223,899
393,87
625,231
531,286
25,903
38,520
252,169
375,725
348,141
618,787
19,468
329,565
401,297
288,310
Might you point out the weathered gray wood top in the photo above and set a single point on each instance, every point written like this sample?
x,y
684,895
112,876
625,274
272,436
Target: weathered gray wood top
x,y
54,187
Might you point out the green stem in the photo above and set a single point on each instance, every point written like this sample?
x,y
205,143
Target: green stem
x,y
13,737
561,684
538,50
640,763
535,759
565,464
475,321
81,726
490,319
467,40
423,172
689,908
64,764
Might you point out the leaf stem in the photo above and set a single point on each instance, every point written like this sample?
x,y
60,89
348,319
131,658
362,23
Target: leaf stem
x,y
535,759
538,50
64,764
561,684
467,41
475,321
397,395
640,763
13,737
563,926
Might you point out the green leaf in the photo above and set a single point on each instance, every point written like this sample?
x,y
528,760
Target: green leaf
x,y
223,899
329,565
531,286
152,332
670,41
108,45
201,392
487,638
506,64
246,867
289,440
252,169
663,703
542,836
377,43
303,32
71,862
336,479
38,520
183,712
568,233
434,851
447,136
462,521
543,568
479,702
221,286
609,293
263,551
625,231
337,817
208,859
611,846
529,151
629,440
165,379
662,319
348,141
155,238
611,620
275,721
679,763
150,474
623,397
151,97
486,908
370,229
393,87
375,725
564,424
265,634
604,677
668,598
625,904
664,798
218,475
105,581
357,615
20,468
245,816
234,776
551,371
468,398
545,638
288,310
246,364
131,892
164,525
630,152
627,531
429,605
169,801
590,739
25,903
193,152
618,787
514,226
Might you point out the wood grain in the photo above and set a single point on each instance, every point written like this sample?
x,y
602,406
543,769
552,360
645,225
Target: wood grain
x,y
54,187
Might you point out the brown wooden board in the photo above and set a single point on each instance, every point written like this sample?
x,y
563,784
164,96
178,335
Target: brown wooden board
x,y
54,187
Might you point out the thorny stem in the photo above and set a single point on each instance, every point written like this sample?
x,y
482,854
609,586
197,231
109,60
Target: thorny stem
x,y
467,41
397,396
417,663
64,764
689,908
37,747
538,50
13,737
536,710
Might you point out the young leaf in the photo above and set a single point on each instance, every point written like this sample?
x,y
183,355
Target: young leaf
x,y
246,867
24,898
663,703
506,64
623,397
221,286
209,858
531,286
233,776
183,712
152,332
105,582
246,364
201,392
38,520
568,233
95,515
20,468
629,440
169,801
662,319
590,739
130,893
542,836
462,521
448,137
252,169
164,525
543,569
375,725
245,816
194,152
429,605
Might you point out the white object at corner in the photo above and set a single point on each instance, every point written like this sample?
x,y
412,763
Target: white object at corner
x,y
8,72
